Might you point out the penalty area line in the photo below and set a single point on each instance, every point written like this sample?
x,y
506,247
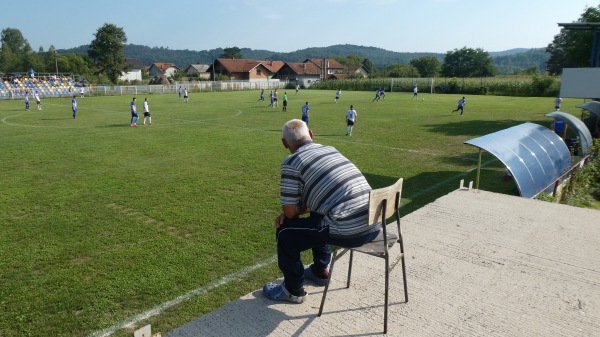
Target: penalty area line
x,y
131,321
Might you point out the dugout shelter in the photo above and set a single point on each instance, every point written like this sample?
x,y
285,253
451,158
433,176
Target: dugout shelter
x,y
535,155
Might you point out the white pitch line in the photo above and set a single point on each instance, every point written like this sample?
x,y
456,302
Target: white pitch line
x,y
133,320
387,147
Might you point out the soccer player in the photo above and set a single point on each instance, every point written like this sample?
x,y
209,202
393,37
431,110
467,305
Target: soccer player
x,y
557,103
284,101
37,100
461,105
27,100
185,95
297,88
275,99
350,120
82,92
305,109
74,106
134,115
179,92
337,95
377,95
147,112
272,99
415,92
262,95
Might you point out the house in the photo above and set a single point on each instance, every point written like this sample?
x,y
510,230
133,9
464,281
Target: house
x,y
240,69
131,75
200,70
352,71
357,69
134,70
303,73
337,77
273,66
162,69
327,66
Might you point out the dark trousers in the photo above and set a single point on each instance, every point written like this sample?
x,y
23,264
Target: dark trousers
x,y
300,234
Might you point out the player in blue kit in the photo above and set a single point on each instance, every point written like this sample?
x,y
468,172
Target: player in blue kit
x,y
134,114
74,107
461,105
305,109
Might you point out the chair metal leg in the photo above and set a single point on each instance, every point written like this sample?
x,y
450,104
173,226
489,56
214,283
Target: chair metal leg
x,y
349,268
387,287
403,267
401,244
334,257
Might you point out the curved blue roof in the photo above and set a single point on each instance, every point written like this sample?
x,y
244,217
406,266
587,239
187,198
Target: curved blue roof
x,y
591,106
582,131
534,154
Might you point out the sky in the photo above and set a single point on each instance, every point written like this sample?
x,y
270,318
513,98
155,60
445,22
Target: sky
x,y
288,25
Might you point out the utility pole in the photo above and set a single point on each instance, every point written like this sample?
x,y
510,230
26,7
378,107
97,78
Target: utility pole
x,y
56,63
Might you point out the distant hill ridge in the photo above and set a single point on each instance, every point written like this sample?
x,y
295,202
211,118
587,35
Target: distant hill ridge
x,y
506,61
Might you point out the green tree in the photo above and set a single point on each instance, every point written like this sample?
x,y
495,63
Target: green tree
x,y
13,38
232,53
340,59
367,63
179,75
106,51
75,63
402,70
572,48
354,60
15,51
468,62
9,61
145,74
428,66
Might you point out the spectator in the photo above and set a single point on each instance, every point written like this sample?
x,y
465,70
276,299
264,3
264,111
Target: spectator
x,y
319,180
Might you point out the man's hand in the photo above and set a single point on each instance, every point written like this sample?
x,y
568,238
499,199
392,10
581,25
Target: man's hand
x,y
279,220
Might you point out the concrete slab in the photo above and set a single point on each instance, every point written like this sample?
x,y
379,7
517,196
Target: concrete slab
x,y
479,264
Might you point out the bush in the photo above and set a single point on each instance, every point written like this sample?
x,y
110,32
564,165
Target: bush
x,y
583,189
536,85
542,85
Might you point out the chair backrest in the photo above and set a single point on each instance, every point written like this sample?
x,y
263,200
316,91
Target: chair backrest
x,y
376,198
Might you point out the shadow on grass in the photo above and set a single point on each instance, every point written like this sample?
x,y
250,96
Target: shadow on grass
x,y
470,160
421,189
475,128
426,187
114,126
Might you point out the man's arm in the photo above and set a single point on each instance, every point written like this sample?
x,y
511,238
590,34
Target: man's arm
x,y
293,211
290,212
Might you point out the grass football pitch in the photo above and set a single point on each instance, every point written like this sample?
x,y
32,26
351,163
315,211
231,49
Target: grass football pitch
x,y
101,221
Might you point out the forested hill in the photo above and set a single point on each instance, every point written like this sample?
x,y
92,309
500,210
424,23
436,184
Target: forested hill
x,y
505,61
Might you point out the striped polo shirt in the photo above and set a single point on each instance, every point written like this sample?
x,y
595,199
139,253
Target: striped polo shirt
x,y
328,183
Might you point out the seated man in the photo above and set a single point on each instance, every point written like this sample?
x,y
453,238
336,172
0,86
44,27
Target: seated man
x,y
318,180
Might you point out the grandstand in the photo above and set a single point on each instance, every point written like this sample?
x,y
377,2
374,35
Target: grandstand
x,y
49,85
